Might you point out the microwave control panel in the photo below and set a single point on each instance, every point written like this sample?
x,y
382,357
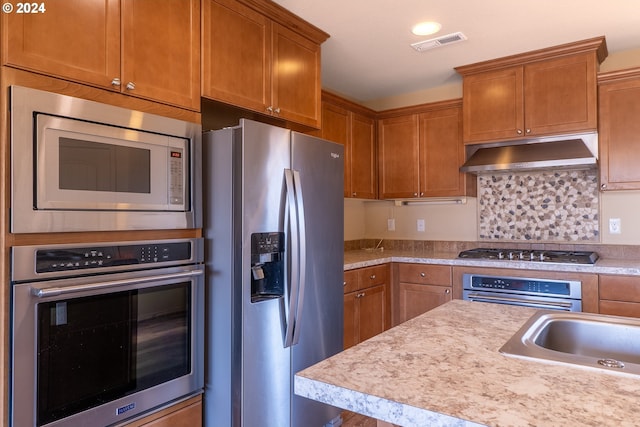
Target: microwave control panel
x,y
54,260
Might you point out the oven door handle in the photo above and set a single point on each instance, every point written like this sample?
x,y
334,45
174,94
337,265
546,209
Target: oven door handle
x,y
55,291
522,302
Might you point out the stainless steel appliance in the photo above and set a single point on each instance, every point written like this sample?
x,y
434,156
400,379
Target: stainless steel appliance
x,y
561,257
79,165
274,227
103,332
552,294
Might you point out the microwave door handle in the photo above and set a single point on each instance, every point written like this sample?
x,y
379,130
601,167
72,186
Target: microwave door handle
x,y
293,282
55,291
302,268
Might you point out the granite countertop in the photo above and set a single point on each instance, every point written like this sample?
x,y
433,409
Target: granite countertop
x,y
443,368
364,258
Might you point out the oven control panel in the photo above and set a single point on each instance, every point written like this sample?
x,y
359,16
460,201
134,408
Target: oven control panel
x,y
71,258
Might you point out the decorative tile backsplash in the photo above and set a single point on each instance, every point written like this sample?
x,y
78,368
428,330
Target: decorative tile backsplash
x,y
560,206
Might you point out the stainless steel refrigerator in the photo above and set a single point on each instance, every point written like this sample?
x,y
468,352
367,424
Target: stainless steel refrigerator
x,y
274,229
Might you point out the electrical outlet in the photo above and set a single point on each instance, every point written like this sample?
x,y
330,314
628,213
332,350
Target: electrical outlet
x,y
420,225
391,224
615,226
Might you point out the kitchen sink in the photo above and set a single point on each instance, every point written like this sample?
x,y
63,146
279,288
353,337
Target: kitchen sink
x,y
597,341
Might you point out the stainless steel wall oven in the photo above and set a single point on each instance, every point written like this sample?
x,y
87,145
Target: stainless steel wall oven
x,y
104,332
79,165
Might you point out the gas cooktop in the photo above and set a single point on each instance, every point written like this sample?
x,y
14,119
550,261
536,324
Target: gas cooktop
x,y
563,257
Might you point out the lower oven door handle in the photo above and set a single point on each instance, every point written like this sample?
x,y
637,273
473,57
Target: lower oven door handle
x,y
522,302
55,291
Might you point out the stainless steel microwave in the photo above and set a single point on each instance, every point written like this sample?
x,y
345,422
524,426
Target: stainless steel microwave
x,y
79,165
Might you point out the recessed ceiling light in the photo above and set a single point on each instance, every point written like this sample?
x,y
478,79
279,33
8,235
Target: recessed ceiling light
x,y
426,28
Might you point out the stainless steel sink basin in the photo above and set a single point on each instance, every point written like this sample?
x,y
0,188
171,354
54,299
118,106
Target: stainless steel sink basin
x,y
597,341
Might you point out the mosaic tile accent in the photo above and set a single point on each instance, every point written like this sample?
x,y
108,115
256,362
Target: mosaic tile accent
x,y
560,206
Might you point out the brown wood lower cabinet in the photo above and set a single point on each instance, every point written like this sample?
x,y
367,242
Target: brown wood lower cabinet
x,y
367,303
187,413
422,287
619,295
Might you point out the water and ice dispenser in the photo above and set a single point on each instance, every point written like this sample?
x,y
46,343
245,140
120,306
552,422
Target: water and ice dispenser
x,y
267,266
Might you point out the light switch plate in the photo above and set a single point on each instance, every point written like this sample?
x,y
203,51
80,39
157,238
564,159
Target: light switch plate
x,y
420,225
391,224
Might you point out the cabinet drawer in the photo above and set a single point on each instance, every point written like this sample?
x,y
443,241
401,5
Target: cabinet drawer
x,y
620,308
620,288
425,274
350,281
372,276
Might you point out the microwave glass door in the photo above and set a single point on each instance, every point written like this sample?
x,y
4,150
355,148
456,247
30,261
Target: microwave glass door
x,y
88,166
98,348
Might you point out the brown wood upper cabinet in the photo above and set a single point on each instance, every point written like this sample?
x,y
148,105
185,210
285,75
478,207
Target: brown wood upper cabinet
x,y
619,130
545,92
354,127
253,60
420,153
142,48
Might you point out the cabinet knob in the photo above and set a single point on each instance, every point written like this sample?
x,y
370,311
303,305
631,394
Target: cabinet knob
x,y
344,283
603,186
115,82
360,295
528,131
415,194
277,110
519,131
421,194
373,276
447,291
423,274
353,194
130,86
270,109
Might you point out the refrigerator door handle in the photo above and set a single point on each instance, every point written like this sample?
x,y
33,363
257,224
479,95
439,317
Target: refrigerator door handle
x,y
302,268
291,223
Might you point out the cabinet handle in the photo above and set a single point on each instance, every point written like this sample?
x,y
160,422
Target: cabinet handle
x,y
373,276
130,86
423,274
116,82
360,295
519,131
447,291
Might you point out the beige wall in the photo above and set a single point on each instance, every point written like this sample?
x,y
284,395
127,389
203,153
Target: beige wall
x,y
368,219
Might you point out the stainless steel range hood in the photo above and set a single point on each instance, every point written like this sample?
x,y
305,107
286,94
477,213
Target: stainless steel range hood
x,y
560,152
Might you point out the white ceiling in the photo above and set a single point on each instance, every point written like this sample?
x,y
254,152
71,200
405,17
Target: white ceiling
x,y
368,55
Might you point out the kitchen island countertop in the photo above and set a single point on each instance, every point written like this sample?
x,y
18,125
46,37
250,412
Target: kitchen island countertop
x,y
443,368
363,258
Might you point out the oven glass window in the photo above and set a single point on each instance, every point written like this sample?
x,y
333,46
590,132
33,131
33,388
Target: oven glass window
x,y
96,166
98,348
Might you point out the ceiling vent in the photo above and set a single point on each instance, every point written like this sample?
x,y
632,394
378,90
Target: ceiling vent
x,y
439,41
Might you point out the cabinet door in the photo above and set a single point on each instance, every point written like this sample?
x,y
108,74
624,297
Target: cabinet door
x,y
296,77
619,135
236,55
363,157
372,311
161,51
560,95
350,320
492,105
74,39
441,153
335,127
398,157
416,299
